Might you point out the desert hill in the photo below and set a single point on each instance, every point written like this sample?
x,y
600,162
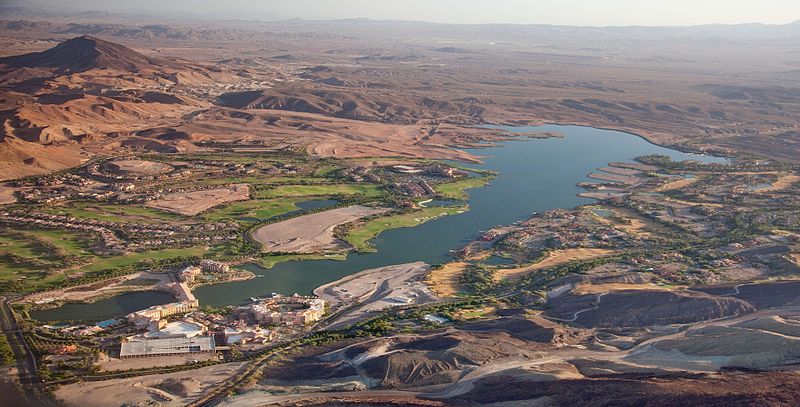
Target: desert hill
x,y
64,104
83,53
91,96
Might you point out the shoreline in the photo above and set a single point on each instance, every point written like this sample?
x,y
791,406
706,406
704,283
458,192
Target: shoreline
x,y
242,275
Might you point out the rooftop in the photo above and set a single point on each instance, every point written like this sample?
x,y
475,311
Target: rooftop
x,y
177,329
166,346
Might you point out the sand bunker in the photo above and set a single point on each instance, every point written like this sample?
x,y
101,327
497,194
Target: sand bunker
x,y
194,202
310,233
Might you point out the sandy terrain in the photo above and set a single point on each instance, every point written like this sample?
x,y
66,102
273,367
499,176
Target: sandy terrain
x,y
195,202
607,193
342,108
369,397
582,289
754,340
796,258
138,167
115,392
783,182
444,281
114,364
636,224
708,204
554,258
622,179
311,233
101,288
620,171
7,195
376,289
669,186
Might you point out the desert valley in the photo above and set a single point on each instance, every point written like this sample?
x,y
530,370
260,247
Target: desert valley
x,y
211,212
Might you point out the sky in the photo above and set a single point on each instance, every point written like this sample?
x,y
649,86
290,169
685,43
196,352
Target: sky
x,y
562,12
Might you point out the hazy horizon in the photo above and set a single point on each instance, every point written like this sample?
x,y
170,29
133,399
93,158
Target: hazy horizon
x,y
563,12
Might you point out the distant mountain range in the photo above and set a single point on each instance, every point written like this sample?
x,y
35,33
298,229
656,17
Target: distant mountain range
x,y
15,9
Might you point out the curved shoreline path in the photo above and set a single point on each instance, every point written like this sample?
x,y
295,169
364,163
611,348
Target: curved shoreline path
x,y
534,175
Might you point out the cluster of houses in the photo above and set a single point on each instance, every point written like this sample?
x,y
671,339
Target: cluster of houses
x,y
147,236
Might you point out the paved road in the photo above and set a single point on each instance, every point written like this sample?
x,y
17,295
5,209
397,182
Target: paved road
x,y
26,361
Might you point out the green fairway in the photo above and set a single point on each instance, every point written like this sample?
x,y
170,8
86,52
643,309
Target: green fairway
x,y
31,258
359,236
37,259
321,190
457,190
259,208
107,263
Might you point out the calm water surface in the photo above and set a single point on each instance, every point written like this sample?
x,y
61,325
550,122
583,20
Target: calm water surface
x,y
108,308
534,176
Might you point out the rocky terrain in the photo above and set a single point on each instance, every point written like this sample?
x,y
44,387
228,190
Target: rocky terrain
x,y
67,102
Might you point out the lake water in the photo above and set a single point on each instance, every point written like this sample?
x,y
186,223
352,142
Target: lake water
x,y
122,304
535,175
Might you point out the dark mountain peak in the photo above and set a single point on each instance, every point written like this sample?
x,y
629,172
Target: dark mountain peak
x,y
83,53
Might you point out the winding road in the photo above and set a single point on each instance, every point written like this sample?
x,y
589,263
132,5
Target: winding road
x,y
577,313
26,360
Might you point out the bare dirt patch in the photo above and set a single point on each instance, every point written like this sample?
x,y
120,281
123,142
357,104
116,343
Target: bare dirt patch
x,y
622,179
783,182
632,223
376,289
678,184
136,167
642,308
606,287
444,281
7,195
195,202
115,364
620,171
147,390
311,233
554,258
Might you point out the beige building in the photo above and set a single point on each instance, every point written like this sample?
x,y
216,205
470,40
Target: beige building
x,y
189,274
143,347
151,317
211,266
294,310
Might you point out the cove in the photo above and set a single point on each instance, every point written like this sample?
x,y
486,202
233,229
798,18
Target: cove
x,y
115,306
534,175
